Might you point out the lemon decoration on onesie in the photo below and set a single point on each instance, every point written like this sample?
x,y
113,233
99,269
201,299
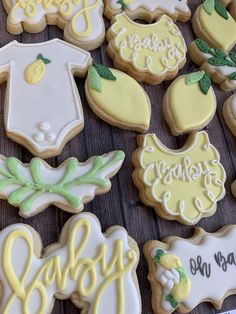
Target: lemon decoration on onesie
x,y
189,103
117,98
35,71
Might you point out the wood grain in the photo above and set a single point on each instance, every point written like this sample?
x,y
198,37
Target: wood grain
x,y
122,205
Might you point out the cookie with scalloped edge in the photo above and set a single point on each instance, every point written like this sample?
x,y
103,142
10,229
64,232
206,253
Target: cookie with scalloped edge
x,y
219,65
214,24
183,184
150,53
149,10
186,272
189,103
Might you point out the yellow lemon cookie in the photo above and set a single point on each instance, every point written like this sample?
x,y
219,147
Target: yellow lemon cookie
x,y
183,185
117,98
189,103
213,23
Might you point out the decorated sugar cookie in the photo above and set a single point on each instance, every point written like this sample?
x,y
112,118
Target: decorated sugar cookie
x,y
33,187
117,98
219,65
189,103
39,114
233,188
183,185
96,271
149,10
149,53
81,20
186,272
229,113
213,23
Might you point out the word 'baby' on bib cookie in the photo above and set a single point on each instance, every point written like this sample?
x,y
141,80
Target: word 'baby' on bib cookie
x,y
183,185
95,270
213,23
81,20
186,272
149,10
219,65
34,186
150,53
39,113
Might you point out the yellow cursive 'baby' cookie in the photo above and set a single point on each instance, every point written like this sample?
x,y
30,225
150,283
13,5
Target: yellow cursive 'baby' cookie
x,y
149,53
149,10
186,272
189,103
229,113
96,270
213,23
219,65
82,20
183,185
117,98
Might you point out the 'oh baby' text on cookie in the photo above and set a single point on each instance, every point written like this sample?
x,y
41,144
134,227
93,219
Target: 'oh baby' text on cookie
x,y
179,267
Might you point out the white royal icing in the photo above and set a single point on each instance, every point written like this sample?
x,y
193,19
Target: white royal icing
x,y
169,6
233,106
110,301
34,186
43,114
82,19
211,266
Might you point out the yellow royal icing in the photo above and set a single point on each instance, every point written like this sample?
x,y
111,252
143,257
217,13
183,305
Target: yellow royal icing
x,y
190,107
220,30
124,100
156,48
187,183
67,270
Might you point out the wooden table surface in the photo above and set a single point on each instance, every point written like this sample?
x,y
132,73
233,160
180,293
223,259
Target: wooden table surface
x,y
121,206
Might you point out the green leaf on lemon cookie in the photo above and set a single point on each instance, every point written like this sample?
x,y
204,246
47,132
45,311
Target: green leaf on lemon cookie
x,y
104,72
94,79
205,83
209,6
194,77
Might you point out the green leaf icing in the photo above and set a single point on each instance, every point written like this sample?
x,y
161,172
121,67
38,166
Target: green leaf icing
x,y
158,255
232,76
173,302
221,10
29,183
182,273
94,79
123,4
205,83
104,72
202,45
195,77
218,57
45,60
209,6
